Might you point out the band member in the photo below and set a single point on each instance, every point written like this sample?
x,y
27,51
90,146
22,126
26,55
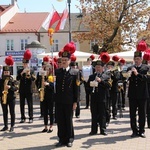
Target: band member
x,y
66,100
124,81
86,72
99,82
38,82
148,82
26,76
138,94
74,66
7,94
115,76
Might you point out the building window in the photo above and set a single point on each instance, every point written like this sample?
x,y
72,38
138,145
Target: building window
x,y
10,45
23,44
92,43
55,46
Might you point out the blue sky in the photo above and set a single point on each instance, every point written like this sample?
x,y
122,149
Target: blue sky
x,y
43,5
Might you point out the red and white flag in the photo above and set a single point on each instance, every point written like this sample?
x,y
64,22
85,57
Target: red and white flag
x,y
51,19
62,21
55,17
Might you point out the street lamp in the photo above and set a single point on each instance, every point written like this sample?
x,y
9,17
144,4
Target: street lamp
x,y
69,2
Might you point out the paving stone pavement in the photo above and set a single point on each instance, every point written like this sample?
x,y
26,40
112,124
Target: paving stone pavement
x,y
29,136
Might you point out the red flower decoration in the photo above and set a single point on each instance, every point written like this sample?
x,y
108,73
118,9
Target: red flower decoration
x,y
141,46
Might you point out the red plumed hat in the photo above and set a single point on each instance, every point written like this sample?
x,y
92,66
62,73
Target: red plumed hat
x,y
92,57
122,60
141,46
115,58
146,56
60,53
70,47
46,58
105,57
27,56
9,61
73,57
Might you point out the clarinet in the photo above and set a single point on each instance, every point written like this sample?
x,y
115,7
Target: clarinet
x,y
97,75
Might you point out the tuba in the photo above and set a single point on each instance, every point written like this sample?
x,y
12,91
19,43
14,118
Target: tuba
x,y
5,92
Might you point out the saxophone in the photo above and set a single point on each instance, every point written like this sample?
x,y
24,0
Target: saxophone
x,y
41,90
5,92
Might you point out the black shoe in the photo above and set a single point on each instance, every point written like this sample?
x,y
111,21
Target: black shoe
x,y
11,129
22,121
69,144
103,133
30,120
149,126
86,108
44,130
4,129
59,144
142,135
50,130
92,133
115,118
134,134
77,116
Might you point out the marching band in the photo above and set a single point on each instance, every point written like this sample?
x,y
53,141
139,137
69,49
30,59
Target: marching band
x,y
59,93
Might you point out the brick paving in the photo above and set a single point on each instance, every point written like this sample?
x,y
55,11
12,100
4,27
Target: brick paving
x,y
29,136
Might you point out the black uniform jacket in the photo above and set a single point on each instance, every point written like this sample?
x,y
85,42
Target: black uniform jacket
x,y
66,87
25,83
100,92
11,91
138,87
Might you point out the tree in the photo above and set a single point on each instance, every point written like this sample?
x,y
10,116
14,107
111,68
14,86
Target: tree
x,y
113,23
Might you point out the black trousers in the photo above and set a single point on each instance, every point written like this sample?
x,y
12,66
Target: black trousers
x,y
114,99
77,111
140,106
29,99
87,95
98,116
48,107
148,113
11,104
64,115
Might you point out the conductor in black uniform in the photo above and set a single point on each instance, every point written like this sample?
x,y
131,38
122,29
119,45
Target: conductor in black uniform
x,y
66,101
26,76
99,84
138,94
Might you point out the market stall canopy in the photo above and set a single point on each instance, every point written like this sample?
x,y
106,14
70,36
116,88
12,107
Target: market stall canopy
x,y
127,55
81,56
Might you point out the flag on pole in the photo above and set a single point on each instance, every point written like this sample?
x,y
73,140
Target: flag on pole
x,y
51,19
62,21
55,17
